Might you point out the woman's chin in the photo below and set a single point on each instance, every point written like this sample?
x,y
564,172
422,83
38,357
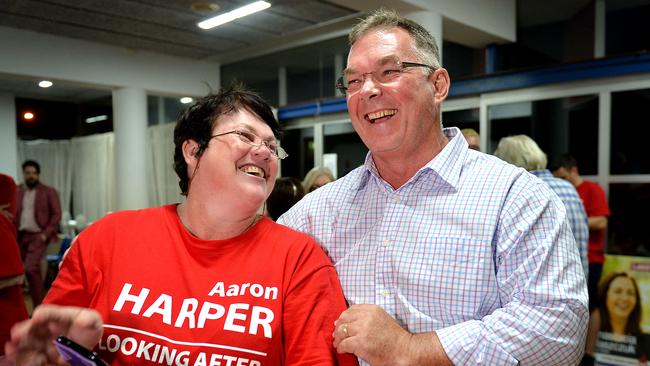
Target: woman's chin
x,y
254,204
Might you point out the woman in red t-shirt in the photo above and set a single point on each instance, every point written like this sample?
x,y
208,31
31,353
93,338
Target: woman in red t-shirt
x,y
207,281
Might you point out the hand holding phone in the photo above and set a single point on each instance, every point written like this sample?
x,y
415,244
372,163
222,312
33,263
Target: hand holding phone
x,y
76,354
33,341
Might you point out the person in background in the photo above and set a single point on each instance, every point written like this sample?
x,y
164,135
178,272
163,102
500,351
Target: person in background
x,y
317,177
446,255
207,281
523,151
286,193
12,304
620,313
472,137
595,203
37,218
621,305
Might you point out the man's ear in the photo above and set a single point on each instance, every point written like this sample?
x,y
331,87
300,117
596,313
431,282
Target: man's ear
x,y
191,152
441,83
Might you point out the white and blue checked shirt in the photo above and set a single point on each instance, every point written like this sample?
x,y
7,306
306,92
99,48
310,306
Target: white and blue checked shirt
x,y
470,247
575,211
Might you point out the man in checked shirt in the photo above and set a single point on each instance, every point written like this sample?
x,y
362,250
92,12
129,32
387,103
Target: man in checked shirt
x,y
446,255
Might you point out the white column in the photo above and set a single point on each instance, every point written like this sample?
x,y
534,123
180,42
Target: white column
x,y
338,71
432,22
604,142
131,140
599,34
319,144
161,110
484,126
282,86
8,138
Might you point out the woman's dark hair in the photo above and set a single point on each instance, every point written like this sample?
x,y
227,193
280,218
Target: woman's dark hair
x,y
286,193
634,319
197,122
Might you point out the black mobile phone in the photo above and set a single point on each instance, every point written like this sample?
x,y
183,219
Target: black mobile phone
x,y
76,354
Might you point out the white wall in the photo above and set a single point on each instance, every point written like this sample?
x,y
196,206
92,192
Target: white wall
x,y
60,59
473,23
496,17
8,144
57,58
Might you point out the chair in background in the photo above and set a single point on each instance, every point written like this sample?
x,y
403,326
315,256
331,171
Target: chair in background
x,y
53,261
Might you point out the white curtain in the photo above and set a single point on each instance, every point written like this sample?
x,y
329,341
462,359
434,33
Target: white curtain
x,y
164,180
83,171
93,177
56,169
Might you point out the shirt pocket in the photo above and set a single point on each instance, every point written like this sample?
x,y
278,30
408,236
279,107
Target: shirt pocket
x,y
447,279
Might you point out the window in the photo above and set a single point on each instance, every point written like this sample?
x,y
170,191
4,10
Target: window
x,y
299,144
341,139
163,109
311,71
465,118
548,35
311,82
627,225
626,21
258,74
564,125
629,131
461,61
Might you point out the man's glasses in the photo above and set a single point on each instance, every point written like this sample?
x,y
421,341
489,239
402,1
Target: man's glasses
x,y
249,138
383,74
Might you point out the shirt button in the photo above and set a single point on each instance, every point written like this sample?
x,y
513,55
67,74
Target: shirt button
x,y
386,242
396,199
385,293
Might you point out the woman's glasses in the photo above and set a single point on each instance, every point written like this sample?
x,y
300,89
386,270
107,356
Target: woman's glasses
x,y
249,138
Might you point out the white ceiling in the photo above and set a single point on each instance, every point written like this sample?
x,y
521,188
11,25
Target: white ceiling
x,y
161,26
169,27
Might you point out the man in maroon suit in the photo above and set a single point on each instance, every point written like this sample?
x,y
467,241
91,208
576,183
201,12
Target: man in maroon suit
x,y
37,218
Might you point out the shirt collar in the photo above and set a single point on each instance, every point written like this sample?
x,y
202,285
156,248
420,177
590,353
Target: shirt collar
x,y
447,164
544,173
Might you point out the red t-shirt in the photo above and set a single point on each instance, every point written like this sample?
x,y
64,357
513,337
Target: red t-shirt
x,y
10,262
595,202
12,305
267,297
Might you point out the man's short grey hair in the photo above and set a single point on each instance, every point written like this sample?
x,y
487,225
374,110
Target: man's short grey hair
x,y
522,151
425,45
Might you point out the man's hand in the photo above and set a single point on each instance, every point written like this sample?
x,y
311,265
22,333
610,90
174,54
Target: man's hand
x,y
32,341
374,336
4,212
371,334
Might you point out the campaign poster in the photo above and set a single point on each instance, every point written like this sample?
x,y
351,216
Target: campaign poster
x,y
624,308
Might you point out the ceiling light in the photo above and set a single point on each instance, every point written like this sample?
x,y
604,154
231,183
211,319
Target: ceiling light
x,y
102,117
45,84
186,100
234,14
28,116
